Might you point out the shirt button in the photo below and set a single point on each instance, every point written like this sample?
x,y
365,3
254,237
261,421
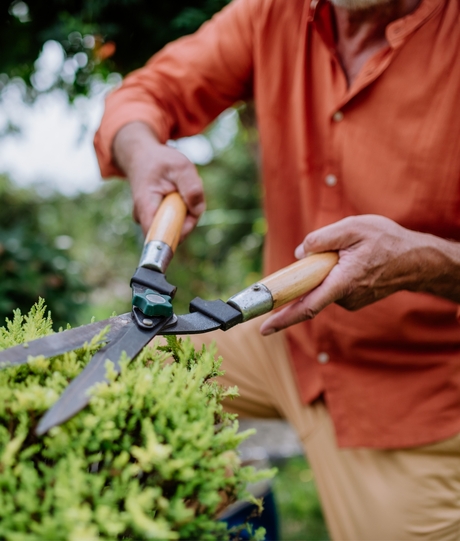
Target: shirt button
x,y
323,357
330,180
337,116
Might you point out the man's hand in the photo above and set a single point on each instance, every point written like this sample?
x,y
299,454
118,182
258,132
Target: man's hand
x,y
154,170
377,257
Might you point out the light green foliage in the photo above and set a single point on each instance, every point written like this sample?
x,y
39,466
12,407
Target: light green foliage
x,y
153,456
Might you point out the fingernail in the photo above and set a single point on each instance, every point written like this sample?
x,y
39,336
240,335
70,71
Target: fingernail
x,y
268,332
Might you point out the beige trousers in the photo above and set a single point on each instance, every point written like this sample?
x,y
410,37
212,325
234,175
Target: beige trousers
x,y
367,495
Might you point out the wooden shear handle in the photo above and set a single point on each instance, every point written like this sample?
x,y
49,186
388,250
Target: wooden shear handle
x,y
168,221
299,278
284,286
164,233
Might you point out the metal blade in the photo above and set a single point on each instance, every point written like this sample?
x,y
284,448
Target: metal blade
x,y
61,342
76,396
194,323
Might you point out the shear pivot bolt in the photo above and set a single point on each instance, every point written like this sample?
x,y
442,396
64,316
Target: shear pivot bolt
x,y
147,322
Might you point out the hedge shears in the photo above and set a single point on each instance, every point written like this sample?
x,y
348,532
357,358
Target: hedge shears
x,y
152,313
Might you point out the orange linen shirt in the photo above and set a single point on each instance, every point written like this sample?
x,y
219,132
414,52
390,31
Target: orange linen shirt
x,y
388,145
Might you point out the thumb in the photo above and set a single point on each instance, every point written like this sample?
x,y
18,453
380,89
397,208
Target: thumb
x,y
332,237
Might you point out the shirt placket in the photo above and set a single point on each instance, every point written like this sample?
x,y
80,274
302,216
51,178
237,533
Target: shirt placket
x,y
330,185
331,204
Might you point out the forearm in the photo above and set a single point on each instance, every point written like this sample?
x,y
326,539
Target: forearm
x,y
436,264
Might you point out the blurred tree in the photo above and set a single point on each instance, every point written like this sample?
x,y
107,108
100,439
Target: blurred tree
x,y
98,36
34,263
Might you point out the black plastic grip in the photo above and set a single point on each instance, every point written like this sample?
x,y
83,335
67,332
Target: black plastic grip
x,y
218,310
154,280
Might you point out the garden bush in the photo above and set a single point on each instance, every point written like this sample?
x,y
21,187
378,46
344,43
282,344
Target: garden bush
x,y
153,456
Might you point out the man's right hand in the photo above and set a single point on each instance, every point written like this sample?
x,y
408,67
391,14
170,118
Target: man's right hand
x,y
155,170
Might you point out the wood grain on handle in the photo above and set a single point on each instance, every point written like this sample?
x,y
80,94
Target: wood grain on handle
x,y
299,278
168,221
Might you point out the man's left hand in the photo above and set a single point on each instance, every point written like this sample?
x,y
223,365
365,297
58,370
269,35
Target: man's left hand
x,y
377,257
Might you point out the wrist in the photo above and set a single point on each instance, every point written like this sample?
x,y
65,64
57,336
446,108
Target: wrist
x,y
132,141
437,267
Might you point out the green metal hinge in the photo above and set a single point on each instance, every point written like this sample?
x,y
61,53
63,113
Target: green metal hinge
x,y
152,303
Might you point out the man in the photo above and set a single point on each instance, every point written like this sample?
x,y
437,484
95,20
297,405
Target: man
x,y
357,107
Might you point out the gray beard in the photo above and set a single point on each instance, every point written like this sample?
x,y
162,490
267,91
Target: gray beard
x,y
358,5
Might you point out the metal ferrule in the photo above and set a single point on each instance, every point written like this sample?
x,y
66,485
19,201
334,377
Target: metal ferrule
x,y
252,301
156,255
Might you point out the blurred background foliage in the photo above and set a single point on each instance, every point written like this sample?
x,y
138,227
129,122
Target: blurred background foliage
x,y
79,252
301,517
99,37
33,260
96,243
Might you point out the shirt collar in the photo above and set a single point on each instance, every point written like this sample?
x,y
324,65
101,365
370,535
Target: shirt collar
x,y
397,31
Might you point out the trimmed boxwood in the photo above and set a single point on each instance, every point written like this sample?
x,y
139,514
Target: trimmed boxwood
x,y
153,456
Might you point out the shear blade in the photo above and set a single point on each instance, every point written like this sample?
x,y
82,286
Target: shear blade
x,y
76,395
62,342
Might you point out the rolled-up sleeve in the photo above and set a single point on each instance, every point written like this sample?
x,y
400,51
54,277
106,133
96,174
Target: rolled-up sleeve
x,y
187,84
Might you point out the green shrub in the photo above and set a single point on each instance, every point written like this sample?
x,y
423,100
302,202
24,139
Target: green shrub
x,y
153,456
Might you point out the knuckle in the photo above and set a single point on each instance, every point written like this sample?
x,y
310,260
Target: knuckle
x,y
310,240
183,163
307,312
174,162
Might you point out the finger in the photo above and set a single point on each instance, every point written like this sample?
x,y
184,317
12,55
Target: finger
x,y
332,289
290,315
190,186
336,236
189,224
145,209
194,199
